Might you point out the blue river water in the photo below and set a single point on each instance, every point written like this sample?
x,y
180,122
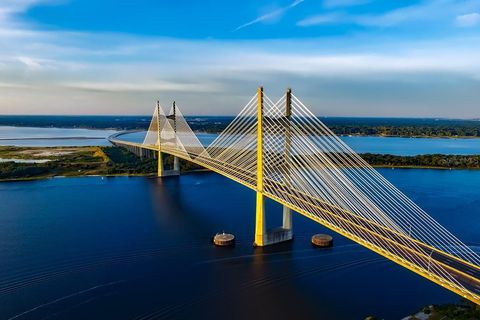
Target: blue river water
x,y
47,137
139,248
373,144
44,137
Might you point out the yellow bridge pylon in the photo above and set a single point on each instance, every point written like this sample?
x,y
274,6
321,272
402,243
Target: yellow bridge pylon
x,y
265,237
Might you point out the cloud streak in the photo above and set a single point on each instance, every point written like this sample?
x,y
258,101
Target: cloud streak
x,y
271,15
144,86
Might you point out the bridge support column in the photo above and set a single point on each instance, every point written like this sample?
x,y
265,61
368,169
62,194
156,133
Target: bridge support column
x,y
162,172
287,213
287,218
176,160
176,164
260,226
160,164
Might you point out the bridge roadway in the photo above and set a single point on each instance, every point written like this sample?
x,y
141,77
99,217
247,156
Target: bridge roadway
x,y
389,243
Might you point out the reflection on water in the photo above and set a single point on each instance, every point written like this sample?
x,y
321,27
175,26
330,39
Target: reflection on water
x,y
126,248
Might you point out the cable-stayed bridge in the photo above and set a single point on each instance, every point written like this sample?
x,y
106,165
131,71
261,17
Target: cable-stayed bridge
x,y
282,151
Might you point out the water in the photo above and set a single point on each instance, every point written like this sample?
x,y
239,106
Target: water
x,y
413,146
382,145
45,137
52,137
129,247
24,160
122,248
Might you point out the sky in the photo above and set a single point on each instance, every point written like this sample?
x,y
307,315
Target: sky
x,y
371,58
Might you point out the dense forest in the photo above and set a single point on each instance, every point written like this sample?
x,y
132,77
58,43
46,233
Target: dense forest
x,y
428,160
441,131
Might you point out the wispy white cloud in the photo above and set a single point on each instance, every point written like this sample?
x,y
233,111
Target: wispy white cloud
x,y
144,86
31,63
14,85
271,15
98,69
426,11
11,7
468,20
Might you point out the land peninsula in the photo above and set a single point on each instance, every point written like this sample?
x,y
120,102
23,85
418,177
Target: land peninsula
x,y
25,163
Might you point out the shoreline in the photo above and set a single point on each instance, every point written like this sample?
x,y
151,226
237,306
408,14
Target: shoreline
x,y
111,161
375,136
152,175
52,138
210,132
408,137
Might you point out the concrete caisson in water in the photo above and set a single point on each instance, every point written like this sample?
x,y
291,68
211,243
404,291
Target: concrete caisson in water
x,y
224,239
322,240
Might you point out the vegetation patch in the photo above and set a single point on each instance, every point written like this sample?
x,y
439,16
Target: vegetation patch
x,y
72,161
424,161
121,161
463,311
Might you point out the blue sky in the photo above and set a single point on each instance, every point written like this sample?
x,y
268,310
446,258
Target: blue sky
x,y
341,57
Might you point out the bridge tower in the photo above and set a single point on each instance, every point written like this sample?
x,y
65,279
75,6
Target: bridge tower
x,y
287,212
264,237
176,161
162,172
159,157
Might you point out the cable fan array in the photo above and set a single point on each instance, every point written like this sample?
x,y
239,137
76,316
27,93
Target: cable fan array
x,y
307,165
309,169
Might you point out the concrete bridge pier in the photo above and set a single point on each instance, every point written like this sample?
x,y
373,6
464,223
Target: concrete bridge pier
x,y
176,164
264,237
162,171
287,218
